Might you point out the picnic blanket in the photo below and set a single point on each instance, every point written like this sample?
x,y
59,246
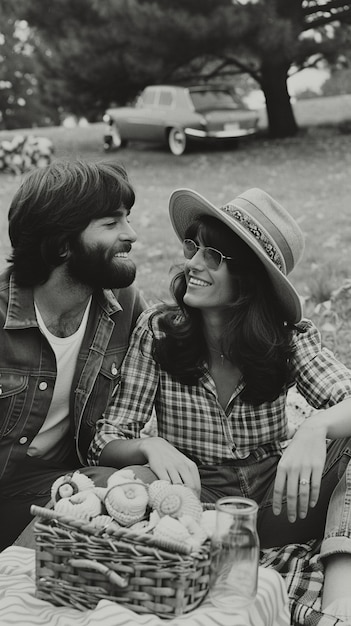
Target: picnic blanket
x,y
296,590
303,574
20,607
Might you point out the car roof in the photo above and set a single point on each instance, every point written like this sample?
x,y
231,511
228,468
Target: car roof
x,y
191,87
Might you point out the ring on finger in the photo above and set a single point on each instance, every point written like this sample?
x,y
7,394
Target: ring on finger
x,y
304,481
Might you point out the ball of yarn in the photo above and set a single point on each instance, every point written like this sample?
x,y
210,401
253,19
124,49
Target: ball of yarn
x,y
120,477
69,484
127,502
155,488
175,500
84,504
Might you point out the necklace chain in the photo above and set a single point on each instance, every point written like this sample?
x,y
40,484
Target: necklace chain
x,y
222,357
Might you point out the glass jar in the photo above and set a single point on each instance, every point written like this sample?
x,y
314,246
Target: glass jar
x,y
235,560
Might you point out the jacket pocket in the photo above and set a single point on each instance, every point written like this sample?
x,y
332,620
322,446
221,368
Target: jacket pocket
x,y
105,387
13,393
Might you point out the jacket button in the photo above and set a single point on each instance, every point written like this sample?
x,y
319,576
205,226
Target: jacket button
x,y
114,369
43,385
23,440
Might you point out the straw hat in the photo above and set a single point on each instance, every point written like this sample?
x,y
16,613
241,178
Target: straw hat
x,y
262,223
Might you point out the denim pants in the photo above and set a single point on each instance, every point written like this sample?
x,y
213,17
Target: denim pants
x,y
31,484
329,519
252,478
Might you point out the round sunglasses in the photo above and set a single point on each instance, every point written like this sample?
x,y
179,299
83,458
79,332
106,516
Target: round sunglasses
x,y
213,258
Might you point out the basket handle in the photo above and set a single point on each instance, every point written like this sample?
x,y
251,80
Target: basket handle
x,y
111,576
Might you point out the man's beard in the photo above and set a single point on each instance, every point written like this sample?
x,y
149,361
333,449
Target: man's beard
x,y
98,268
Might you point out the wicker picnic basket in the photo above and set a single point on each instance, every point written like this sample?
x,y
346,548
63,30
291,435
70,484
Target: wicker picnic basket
x,y
77,565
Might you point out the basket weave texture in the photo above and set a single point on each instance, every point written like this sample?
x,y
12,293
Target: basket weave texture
x,y
77,565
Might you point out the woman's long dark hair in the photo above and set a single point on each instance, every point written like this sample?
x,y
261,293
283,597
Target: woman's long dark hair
x,y
256,338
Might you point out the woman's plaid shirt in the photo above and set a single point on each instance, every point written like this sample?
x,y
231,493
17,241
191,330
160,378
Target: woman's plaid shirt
x,y
191,418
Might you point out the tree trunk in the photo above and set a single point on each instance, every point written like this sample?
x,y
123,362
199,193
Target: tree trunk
x,y
281,119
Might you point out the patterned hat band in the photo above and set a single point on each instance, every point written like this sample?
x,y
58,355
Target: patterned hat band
x,y
261,238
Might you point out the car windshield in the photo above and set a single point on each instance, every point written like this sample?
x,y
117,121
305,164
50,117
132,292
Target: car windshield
x,y
215,99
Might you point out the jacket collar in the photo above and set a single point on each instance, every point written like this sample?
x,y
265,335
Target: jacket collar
x,y
21,313
108,300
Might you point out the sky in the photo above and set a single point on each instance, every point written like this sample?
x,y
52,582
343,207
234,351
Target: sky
x,y
307,79
312,79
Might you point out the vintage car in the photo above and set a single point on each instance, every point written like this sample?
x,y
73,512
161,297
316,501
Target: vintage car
x,y
176,115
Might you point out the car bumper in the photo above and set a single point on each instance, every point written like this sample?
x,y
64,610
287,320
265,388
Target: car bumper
x,y
219,134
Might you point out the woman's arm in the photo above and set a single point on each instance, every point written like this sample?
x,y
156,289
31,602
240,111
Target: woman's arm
x,y
304,459
326,384
164,460
117,440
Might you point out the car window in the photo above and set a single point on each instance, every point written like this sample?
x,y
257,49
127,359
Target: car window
x,y
166,99
215,99
148,97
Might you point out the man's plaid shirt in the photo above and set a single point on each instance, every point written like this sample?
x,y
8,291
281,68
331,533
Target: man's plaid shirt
x,y
191,418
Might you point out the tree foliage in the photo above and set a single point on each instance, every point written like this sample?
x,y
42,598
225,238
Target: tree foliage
x,y
20,103
94,53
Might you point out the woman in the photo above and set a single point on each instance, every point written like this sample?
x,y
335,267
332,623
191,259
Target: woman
x,y
216,366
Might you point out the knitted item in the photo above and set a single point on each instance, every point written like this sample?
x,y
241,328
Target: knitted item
x,y
120,477
142,527
156,488
127,502
84,504
69,484
100,492
171,529
198,534
208,522
154,518
174,500
147,526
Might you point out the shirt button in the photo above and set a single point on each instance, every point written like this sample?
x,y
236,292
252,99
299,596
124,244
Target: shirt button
x,y
43,385
243,455
23,440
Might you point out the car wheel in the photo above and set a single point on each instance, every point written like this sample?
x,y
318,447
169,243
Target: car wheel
x,y
177,141
114,141
107,143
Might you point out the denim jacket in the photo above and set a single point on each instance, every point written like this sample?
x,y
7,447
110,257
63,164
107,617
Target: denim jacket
x,y
28,368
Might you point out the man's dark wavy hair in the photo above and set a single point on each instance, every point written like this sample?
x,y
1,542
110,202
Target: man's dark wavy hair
x,y
54,205
256,338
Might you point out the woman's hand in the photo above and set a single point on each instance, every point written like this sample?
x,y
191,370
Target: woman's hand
x,y
300,468
170,464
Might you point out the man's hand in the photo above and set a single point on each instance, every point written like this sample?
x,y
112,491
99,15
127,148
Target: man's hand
x,y
300,470
170,464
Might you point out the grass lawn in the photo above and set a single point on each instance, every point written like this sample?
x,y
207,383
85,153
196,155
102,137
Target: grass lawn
x,y
309,174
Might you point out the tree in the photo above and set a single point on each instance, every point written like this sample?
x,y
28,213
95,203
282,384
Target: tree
x,y
264,38
96,53
339,81
20,105
81,55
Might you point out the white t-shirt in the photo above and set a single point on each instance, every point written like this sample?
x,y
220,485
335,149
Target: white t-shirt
x,y
56,425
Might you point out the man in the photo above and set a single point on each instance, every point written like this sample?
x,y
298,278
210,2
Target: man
x,y
67,309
